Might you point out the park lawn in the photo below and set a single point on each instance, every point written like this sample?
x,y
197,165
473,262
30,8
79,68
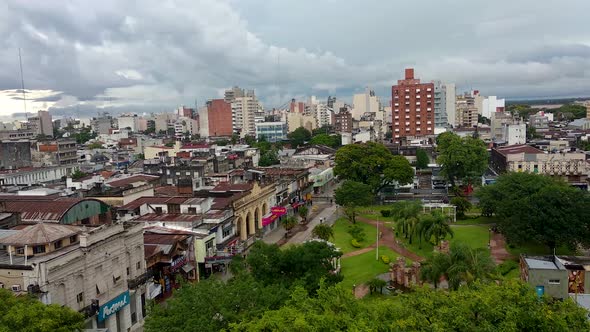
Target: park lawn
x,y
373,212
538,249
342,238
480,220
359,269
473,235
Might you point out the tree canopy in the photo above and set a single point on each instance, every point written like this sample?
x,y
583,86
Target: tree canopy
x,y
538,208
462,159
510,306
333,141
373,164
25,313
299,136
352,193
422,159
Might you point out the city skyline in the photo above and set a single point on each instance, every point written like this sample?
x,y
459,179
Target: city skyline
x,y
80,56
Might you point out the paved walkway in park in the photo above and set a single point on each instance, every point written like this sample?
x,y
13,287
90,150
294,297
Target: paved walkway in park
x,y
498,248
388,239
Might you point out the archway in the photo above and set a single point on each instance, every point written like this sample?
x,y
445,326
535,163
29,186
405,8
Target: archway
x,y
258,218
264,208
241,228
250,224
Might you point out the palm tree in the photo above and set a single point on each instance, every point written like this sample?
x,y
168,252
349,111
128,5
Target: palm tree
x,y
467,265
375,284
435,268
435,225
323,231
289,223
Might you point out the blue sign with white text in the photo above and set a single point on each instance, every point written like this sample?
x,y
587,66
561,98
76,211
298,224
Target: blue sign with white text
x,y
113,306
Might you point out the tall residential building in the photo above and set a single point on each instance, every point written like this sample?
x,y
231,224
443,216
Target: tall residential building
x,y
186,112
366,102
42,124
342,121
466,111
244,106
129,121
164,121
103,123
296,120
219,118
296,106
319,111
451,106
440,104
55,153
413,107
490,105
498,121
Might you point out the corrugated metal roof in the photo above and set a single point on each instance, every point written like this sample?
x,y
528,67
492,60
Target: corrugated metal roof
x,y
168,217
41,233
132,179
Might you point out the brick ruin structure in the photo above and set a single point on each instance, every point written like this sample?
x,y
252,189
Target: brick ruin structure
x,y
404,276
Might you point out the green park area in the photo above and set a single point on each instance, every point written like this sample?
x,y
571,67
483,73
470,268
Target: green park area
x,y
359,269
343,240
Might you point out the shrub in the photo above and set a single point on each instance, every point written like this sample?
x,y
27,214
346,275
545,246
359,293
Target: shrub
x,y
506,267
357,232
386,213
385,259
355,243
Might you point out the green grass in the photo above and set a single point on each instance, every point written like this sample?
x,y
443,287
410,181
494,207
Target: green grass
x,y
342,238
514,274
477,220
538,249
362,268
472,235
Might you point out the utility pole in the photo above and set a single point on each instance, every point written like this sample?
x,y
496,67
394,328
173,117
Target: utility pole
x,y
377,251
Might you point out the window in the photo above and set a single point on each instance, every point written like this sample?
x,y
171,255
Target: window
x,y
127,270
57,244
80,297
138,265
554,282
38,249
73,238
192,210
227,232
158,209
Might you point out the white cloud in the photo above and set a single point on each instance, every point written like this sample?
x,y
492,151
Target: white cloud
x,y
160,54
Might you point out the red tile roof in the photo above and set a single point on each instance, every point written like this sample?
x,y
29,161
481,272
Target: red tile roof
x,y
225,186
153,200
43,209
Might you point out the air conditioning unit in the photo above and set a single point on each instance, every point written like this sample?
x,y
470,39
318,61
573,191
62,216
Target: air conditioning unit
x,y
16,288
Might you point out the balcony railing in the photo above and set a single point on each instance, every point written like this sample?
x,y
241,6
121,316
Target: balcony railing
x,y
139,280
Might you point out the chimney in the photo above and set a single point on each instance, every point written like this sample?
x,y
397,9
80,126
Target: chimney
x,y
409,73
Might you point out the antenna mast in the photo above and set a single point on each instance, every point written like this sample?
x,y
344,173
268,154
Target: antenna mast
x,y
22,81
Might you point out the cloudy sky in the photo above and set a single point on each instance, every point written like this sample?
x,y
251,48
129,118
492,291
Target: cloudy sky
x,y
150,55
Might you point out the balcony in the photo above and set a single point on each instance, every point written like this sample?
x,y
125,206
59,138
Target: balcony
x,y
139,280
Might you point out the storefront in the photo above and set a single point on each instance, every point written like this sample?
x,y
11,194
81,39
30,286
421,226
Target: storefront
x,y
111,314
272,219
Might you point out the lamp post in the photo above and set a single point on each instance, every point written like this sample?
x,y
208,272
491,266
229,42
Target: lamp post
x,y
490,239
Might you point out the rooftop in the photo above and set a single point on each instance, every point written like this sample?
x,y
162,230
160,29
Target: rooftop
x,y
41,208
124,182
225,186
516,149
41,233
153,200
169,217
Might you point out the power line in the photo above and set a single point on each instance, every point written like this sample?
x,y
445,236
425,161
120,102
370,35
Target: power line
x,y
22,81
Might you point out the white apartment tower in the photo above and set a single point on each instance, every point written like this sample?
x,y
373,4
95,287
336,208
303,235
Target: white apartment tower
x,y
244,105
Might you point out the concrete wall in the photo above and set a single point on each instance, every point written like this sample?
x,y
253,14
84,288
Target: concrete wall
x,y
542,277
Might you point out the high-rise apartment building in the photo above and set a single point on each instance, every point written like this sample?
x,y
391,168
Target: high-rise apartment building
x,y
413,107
440,104
342,121
451,107
366,102
244,106
219,115
42,124
466,111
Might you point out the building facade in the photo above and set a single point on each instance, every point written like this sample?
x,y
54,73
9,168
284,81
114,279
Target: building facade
x,y
271,131
219,118
466,111
366,102
99,272
413,107
56,153
440,104
15,154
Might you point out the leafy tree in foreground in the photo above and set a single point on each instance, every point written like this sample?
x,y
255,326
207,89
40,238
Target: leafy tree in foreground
x,y
373,164
211,305
299,137
352,194
434,226
24,313
511,306
303,211
462,159
323,232
536,208
304,264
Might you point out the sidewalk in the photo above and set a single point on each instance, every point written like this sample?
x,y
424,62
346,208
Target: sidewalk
x,y
328,213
